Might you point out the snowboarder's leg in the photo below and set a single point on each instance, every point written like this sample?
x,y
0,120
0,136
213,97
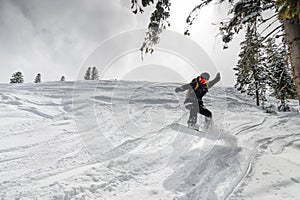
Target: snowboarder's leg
x,y
204,111
194,109
208,116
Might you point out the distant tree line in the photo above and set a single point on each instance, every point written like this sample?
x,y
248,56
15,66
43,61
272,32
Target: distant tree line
x,y
90,74
18,77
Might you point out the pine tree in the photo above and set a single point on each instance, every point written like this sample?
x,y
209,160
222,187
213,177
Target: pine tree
x,y
95,75
250,70
37,78
280,74
87,75
286,19
62,79
17,77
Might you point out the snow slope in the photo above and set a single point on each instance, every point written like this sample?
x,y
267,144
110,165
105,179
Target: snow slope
x,y
113,140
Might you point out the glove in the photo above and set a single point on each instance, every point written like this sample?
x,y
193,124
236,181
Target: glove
x,y
178,89
218,76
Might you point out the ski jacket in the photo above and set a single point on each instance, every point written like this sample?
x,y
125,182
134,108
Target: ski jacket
x,y
198,87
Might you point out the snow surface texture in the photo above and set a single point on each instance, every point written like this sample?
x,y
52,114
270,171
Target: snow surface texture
x,y
112,140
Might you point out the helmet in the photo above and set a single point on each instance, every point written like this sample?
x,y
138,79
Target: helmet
x,y
205,75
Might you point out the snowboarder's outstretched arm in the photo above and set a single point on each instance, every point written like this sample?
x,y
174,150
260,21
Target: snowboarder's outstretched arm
x,y
193,84
211,83
186,86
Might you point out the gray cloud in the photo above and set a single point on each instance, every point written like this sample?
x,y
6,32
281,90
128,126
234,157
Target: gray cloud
x,y
53,37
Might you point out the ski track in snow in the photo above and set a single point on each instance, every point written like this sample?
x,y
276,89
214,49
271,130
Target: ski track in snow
x,y
112,140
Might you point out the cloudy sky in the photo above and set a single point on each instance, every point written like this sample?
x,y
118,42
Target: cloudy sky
x,y
63,37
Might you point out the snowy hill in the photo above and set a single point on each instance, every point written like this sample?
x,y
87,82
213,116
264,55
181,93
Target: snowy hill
x,y
112,140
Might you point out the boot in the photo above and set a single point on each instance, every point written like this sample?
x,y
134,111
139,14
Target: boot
x,y
208,123
194,126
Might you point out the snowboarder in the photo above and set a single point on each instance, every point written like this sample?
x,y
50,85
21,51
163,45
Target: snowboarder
x,y
193,102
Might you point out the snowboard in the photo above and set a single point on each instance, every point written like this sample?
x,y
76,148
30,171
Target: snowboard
x,y
200,133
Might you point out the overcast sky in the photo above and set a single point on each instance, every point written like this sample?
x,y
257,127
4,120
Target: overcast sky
x,y
60,37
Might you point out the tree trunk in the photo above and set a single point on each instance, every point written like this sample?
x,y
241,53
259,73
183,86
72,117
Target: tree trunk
x,y
257,93
292,30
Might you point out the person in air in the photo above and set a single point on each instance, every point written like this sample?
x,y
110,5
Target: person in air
x,y
193,102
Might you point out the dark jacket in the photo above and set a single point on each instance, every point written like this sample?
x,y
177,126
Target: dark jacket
x,y
196,89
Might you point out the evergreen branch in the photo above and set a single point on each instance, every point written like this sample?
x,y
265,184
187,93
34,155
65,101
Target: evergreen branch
x,y
278,93
275,29
266,20
190,19
269,25
280,78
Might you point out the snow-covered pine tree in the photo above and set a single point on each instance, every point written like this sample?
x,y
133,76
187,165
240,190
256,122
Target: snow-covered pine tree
x,y
62,79
286,16
87,75
280,77
95,75
37,78
17,77
250,70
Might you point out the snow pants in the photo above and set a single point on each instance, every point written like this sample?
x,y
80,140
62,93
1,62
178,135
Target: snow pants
x,y
195,107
